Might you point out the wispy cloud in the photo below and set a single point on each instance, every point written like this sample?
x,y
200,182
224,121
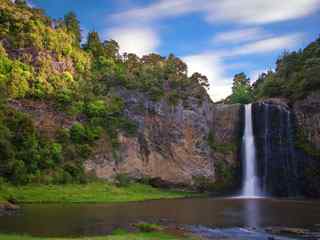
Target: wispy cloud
x,y
160,9
212,63
252,38
266,45
240,11
240,35
138,40
260,12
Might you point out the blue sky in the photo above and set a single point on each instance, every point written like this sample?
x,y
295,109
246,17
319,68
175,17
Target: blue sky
x,y
218,38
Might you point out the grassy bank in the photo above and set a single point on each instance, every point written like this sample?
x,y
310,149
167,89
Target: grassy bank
x,y
124,236
2,199
145,231
98,192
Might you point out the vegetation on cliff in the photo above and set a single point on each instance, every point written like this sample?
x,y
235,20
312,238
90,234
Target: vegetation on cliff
x,y
42,60
296,75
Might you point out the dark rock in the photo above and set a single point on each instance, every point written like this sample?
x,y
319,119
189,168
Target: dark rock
x,y
285,168
6,206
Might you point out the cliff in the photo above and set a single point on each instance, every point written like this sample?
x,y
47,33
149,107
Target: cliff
x,y
287,140
172,143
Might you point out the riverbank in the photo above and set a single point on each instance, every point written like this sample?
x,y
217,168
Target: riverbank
x,y
140,231
125,236
121,236
97,192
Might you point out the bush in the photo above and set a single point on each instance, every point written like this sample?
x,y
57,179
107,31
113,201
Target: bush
x,y
122,180
203,184
148,227
78,133
96,109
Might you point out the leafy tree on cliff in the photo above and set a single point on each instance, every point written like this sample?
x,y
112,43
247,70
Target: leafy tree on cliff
x,y
73,25
200,79
94,45
296,75
241,89
21,3
111,49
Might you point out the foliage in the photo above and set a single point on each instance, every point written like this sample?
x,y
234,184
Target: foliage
x,y
148,227
203,184
241,89
302,142
296,75
122,180
220,147
25,156
73,26
119,235
41,58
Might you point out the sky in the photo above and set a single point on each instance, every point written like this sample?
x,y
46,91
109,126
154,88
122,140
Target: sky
x,y
218,38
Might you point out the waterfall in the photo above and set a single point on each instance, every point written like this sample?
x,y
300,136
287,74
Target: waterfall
x,y
250,183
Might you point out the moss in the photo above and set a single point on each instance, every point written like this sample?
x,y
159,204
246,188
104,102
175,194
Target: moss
x,y
219,147
203,184
303,143
148,227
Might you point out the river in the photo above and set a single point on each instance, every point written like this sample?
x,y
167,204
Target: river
x,y
72,220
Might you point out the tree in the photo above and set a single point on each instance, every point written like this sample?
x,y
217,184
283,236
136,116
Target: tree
x,y
200,79
73,26
111,49
21,3
176,66
94,44
241,89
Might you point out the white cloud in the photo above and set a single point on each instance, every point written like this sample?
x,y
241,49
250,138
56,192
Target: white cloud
x,y
212,66
254,75
259,11
138,40
240,36
159,9
266,45
239,11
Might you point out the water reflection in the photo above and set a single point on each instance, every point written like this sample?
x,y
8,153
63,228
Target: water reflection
x,y
98,219
252,213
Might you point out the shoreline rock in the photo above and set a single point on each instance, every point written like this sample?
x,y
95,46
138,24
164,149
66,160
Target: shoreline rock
x,y
7,206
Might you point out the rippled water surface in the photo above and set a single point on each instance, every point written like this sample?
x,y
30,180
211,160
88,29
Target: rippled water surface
x,y
98,219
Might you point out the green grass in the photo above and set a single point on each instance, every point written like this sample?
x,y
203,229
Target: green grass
x,y
98,192
120,236
2,199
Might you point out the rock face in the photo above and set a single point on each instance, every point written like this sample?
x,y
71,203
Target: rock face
x,y
284,136
227,129
171,143
307,114
277,158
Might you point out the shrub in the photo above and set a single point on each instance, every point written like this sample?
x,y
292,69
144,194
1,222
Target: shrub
x,y
96,108
148,227
78,133
122,180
